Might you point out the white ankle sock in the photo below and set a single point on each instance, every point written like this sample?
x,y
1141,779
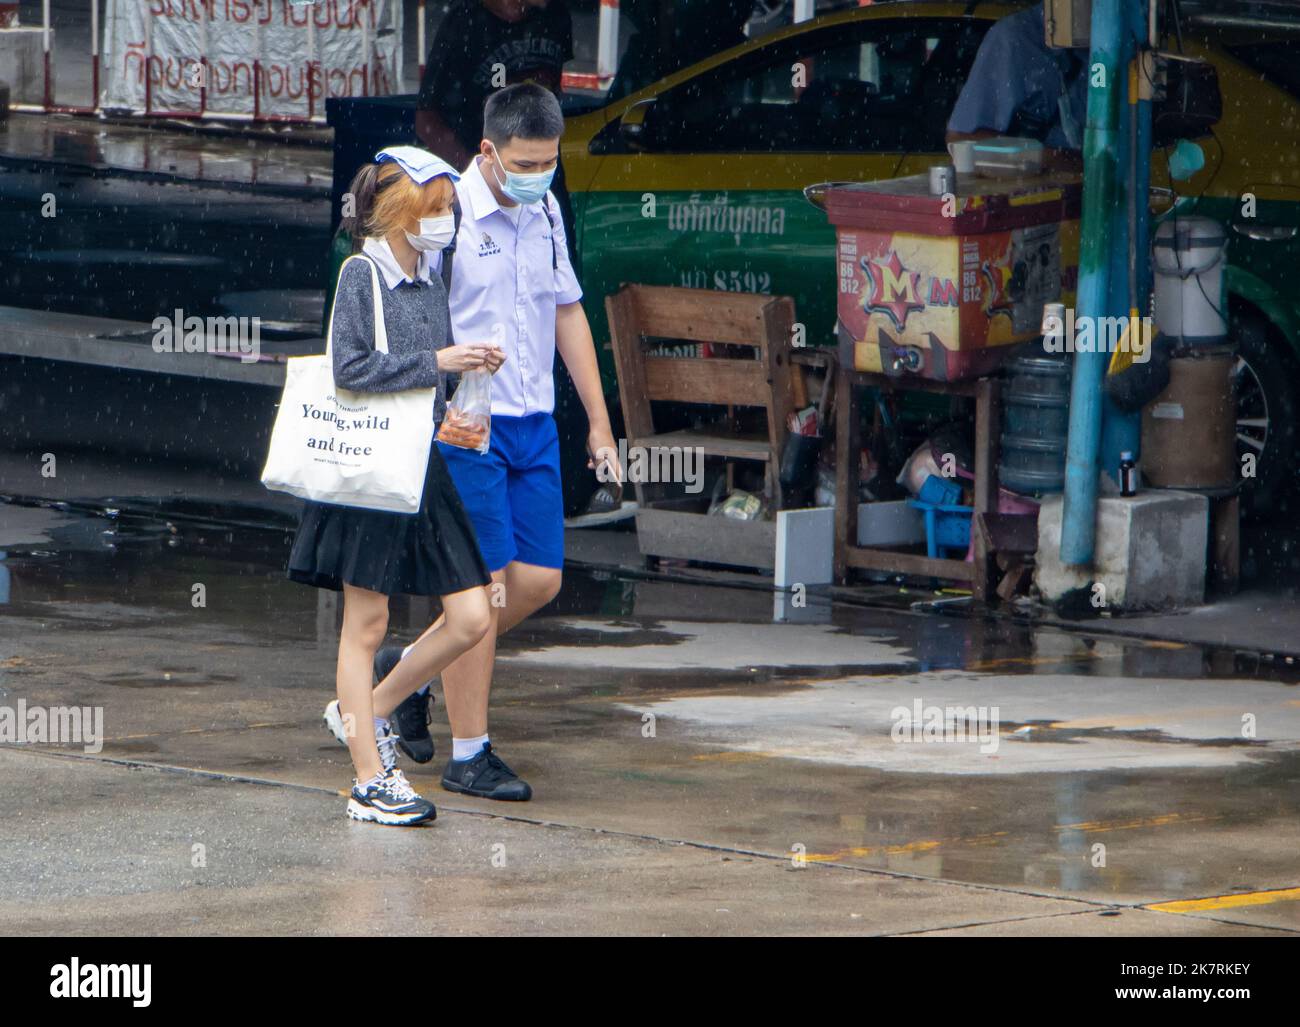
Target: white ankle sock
x,y
381,726
363,785
463,749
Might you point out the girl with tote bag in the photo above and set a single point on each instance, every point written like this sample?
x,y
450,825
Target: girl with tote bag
x,y
390,337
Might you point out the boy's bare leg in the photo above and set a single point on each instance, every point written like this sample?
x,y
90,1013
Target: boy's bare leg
x,y
467,681
465,620
527,589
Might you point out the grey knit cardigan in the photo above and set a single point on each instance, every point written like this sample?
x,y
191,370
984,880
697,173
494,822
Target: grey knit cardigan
x,y
418,321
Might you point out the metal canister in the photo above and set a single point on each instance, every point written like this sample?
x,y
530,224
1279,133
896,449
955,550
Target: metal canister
x,y
1189,431
943,179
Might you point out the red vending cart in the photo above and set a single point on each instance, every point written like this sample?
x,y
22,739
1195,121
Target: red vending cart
x,y
943,286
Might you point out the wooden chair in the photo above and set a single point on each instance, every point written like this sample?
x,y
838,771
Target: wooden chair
x,y
643,315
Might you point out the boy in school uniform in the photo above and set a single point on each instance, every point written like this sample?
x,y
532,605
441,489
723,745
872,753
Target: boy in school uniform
x,y
512,285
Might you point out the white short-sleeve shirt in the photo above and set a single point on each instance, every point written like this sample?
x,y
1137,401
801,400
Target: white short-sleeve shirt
x,y
504,290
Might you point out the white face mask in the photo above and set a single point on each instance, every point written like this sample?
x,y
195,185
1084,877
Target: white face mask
x,y
435,233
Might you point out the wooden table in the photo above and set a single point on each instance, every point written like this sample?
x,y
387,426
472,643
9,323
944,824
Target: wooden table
x,y
848,554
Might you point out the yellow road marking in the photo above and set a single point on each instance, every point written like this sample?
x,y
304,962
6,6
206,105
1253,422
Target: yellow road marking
x,y
1251,898
1035,661
736,756
905,847
1082,654
1161,820
871,850
995,837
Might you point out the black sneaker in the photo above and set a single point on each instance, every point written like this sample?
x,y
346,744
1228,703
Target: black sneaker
x,y
411,718
486,776
392,801
387,657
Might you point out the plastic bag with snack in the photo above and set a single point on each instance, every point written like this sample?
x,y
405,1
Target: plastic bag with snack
x,y
468,422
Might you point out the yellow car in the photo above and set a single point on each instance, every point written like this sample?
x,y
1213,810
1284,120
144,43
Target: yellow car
x,y
698,179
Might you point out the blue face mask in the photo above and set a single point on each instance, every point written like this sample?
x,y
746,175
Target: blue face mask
x,y
522,188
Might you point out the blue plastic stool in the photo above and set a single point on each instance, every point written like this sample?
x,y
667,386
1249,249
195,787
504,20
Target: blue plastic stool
x,y
947,525
940,491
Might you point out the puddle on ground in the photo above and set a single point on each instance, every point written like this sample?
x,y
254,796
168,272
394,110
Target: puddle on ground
x,y
995,725
108,569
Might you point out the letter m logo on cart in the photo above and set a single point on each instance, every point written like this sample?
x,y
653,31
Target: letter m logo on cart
x,y
892,289
943,293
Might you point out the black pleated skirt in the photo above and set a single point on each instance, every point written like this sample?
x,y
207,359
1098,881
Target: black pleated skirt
x,y
429,553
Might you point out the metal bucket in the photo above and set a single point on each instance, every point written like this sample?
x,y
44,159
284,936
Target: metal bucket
x,y
1036,425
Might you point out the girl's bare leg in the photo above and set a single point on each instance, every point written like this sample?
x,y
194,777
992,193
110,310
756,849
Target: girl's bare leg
x,y
365,622
466,618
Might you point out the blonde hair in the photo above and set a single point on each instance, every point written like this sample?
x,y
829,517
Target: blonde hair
x,y
387,199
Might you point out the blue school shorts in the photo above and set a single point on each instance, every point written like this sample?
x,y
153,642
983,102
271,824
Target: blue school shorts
x,y
512,492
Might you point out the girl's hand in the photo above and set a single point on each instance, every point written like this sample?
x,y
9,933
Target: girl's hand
x,y
459,359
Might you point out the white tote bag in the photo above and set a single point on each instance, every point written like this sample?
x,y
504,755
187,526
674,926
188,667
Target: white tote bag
x,y
365,449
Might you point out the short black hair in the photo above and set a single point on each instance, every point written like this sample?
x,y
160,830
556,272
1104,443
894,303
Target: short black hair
x,y
522,111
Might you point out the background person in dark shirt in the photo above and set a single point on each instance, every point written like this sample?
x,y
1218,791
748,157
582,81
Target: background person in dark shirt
x,y
482,46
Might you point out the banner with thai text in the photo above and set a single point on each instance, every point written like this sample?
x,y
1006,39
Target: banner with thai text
x,y
270,58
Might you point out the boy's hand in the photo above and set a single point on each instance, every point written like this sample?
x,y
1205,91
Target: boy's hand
x,y
603,455
493,357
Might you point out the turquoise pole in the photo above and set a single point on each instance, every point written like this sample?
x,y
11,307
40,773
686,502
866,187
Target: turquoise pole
x,y
1107,87
1122,430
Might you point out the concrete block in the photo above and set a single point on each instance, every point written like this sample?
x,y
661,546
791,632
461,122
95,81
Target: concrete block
x,y
22,59
1150,552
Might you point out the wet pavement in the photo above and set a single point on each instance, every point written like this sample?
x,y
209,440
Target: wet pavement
x,y
697,768
128,221
145,150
